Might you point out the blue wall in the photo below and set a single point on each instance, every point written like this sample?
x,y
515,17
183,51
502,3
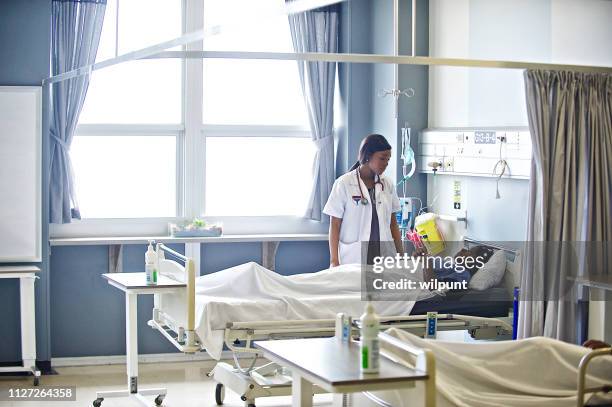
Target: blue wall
x,y
355,32
25,28
88,315
383,120
25,40
414,110
366,27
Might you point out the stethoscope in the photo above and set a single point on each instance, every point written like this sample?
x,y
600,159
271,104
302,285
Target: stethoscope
x,y
364,201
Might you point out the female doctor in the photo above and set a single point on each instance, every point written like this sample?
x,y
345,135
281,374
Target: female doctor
x,y
362,207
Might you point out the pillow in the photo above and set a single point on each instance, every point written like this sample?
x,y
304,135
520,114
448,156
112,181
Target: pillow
x,y
491,274
512,278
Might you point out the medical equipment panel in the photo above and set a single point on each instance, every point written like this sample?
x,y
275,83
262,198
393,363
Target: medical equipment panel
x,y
476,152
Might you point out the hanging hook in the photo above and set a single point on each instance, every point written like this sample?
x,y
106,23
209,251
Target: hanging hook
x,y
503,164
396,93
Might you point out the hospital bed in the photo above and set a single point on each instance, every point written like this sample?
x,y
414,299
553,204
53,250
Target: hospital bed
x,y
208,316
529,372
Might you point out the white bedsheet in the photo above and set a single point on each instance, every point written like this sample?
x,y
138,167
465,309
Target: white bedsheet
x,y
530,372
250,292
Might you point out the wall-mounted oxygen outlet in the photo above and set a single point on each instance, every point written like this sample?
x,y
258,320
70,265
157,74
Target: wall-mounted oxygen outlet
x,y
435,165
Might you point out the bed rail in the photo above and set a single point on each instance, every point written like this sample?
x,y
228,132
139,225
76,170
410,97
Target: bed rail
x,y
425,362
510,250
582,367
251,331
186,339
261,325
172,252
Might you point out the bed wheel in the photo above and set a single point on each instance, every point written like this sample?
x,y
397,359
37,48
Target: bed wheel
x,y
97,402
219,394
159,400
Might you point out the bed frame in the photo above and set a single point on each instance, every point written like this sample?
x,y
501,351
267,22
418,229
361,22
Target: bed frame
x,y
581,376
582,370
253,382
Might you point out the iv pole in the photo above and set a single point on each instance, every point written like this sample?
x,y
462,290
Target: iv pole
x,y
396,92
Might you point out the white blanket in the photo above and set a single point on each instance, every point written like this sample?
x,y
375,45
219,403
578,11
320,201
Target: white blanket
x,y
250,292
530,372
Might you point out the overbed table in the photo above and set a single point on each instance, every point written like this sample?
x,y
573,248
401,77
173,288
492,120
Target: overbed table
x,y
334,366
133,284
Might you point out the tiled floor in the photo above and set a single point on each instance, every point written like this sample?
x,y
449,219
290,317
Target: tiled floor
x,y
187,384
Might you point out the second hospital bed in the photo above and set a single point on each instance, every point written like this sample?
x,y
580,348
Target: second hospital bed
x,y
536,371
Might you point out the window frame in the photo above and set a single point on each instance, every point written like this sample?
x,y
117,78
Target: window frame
x,y
191,152
139,130
222,130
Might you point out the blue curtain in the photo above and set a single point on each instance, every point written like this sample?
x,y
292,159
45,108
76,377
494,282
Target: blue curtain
x,y
76,26
317,31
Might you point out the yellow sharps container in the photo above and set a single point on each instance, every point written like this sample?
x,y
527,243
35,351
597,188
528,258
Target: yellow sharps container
x,y
427,229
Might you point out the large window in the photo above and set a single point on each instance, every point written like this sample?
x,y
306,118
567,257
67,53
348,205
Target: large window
x,y
247,25
258,149
143,92
126,149
253,92
126,176
164,138
266,175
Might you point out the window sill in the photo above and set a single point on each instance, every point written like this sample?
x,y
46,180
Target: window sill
x,y
107,231
84,241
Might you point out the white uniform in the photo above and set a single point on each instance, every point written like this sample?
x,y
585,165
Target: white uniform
x,y
356,218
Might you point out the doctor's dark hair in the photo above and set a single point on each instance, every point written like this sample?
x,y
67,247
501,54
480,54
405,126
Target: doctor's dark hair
x,y
370,145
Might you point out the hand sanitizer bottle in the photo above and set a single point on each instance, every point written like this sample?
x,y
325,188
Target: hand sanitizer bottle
x,y
151,265
370,356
